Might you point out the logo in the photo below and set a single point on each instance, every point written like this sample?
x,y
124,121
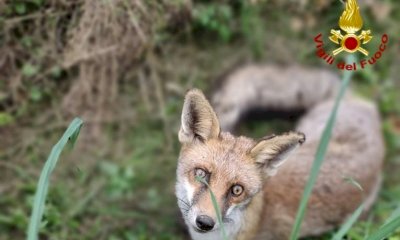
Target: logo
x,y
347,39
350,22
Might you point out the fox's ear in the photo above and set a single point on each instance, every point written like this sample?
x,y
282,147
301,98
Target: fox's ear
x,y
198,120
271,152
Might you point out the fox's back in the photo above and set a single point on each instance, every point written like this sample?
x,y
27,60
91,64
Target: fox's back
x,y
355,151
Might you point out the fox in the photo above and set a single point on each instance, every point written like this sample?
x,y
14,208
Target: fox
x,y
258,183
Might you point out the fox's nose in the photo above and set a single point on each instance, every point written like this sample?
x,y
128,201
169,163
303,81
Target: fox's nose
x,y
205,223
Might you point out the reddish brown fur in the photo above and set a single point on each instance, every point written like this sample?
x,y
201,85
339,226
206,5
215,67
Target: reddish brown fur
x,y
227,158
356,150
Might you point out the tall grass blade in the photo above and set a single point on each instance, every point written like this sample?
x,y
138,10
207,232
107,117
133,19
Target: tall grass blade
x,y
356,214
386,230
38,206
349,223
216,207
320,155
367,227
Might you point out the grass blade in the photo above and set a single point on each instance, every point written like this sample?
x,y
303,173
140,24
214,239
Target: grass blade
x,y
353,182
43,184
349,223
216,207
356,214
386,230
320,155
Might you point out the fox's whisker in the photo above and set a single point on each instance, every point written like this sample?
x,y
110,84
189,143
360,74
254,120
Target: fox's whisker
x,y
184,202
185,210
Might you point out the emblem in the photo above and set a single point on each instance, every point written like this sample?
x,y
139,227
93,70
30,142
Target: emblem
x,y
350,22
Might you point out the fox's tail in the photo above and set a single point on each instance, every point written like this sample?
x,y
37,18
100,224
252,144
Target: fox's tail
x,y
272,88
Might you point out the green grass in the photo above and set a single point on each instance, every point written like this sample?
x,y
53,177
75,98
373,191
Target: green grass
x,y
70,135
386,230
320,155
349,223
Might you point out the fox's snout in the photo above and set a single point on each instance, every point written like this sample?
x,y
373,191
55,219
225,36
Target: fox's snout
x,y
204,223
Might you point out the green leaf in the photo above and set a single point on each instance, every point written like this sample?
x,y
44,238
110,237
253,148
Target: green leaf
x,y
20,8
35,94
29,70
224,33
38,2
226,12
44,180
27,41
72,139
320,155
56,71
5,119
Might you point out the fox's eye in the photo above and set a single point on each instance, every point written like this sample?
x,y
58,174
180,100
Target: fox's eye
x,y
201,173
237,190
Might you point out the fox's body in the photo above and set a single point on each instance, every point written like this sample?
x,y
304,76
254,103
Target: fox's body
x,y
268,199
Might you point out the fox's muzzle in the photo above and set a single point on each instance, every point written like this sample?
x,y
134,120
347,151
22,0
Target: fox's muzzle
x,y
205,223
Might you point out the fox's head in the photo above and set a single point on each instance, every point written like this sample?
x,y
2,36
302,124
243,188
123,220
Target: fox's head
x,y
235,168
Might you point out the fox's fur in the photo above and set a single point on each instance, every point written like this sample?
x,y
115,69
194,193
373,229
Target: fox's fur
x,y
272,182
